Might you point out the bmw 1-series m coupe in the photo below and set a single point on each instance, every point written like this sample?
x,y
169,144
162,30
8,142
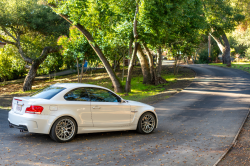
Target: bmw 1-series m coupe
x,y
64,110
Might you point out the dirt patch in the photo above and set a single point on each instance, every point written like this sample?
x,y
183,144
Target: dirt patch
x,y
185,78
239,154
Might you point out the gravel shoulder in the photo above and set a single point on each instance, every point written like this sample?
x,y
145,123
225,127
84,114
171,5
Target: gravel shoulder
x,y
239,154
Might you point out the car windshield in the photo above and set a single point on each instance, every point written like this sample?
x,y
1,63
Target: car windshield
x,y
48,92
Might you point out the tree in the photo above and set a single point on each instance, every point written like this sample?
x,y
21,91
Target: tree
x,y
92,19
221,17
165,22
239,39
111,24
76,47
24,24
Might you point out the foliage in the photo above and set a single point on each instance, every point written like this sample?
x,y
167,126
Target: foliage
x,y
240,41
29,27
52,63
11,66
203,57
36,25
75,47
221,15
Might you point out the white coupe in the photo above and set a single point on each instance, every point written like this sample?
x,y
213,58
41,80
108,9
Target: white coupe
x,y
64,110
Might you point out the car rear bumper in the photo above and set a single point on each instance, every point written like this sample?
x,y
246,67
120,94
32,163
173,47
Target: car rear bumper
x,y
21,127
29,122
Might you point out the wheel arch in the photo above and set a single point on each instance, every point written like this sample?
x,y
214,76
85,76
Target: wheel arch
x,y
150,111
52,123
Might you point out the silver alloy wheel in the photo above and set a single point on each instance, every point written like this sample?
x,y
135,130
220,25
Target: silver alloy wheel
x,y
65,129
148,123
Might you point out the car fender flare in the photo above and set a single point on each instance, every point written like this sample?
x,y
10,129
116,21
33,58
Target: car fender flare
x,y
156,118
65,115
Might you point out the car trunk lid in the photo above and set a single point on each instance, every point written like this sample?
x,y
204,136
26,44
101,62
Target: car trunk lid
x,y
19,104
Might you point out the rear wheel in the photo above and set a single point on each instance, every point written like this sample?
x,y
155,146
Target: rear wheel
x,y
64,129
146,124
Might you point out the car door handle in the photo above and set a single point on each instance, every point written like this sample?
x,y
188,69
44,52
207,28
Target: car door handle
x,y
134,111
96,107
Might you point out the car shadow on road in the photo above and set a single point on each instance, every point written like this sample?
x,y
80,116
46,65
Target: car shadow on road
x,y
44,139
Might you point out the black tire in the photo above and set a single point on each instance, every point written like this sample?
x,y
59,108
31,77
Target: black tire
x,y
146,123
64,129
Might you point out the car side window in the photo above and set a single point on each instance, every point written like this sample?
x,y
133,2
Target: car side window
x,y
79,94
102,95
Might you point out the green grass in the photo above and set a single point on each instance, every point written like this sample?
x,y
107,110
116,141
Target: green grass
x,y
237,65
140,91
5,108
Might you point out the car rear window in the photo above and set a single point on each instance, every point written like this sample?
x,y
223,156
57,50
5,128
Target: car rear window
x,y
48,92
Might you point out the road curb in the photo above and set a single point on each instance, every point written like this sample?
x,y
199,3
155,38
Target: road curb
x,y
235,139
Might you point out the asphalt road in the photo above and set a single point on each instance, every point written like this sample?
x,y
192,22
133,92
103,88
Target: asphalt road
x,y
196,126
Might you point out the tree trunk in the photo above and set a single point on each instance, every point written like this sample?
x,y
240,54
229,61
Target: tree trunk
x,y
133,57
225,49
123,67
158,78
144,66
55,75
176,64
115,81
151,63
29,79
159,62
83,61
77,66
130,69
115,62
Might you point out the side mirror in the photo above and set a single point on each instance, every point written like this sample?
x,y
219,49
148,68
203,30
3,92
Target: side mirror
x,y
123,101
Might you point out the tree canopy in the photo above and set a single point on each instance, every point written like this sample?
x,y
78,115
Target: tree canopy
x,y
111,30
33,29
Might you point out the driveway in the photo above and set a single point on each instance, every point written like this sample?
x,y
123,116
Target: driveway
x,y
196,126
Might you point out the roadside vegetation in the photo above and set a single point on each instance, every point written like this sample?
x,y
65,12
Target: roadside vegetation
x,y
245,66
140,92
43,36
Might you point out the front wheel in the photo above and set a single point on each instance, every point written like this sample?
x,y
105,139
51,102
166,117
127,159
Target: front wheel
x,y
146,124
63,130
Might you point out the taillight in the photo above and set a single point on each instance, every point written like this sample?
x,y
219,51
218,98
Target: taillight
x,y
34,109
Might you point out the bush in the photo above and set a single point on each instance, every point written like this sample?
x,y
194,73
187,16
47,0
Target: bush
x,y
203,57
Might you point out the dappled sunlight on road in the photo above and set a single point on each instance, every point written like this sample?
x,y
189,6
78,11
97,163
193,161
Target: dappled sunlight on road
x,y
196,127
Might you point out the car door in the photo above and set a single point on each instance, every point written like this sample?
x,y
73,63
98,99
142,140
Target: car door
x,y
107,109
78,101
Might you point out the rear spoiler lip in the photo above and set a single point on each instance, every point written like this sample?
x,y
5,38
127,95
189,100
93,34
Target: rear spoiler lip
x,y
25,99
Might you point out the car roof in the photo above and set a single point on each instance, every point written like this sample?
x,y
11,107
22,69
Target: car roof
x,y
75,85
